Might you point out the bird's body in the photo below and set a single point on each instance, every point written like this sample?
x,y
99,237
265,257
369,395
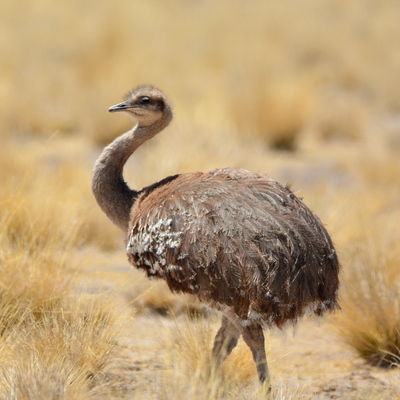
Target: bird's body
x,y
238,240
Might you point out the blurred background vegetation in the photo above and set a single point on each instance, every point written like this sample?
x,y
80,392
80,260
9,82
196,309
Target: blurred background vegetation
x,y
269,68
308,92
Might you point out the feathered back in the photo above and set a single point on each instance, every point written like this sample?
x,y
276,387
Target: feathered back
x,y
237,240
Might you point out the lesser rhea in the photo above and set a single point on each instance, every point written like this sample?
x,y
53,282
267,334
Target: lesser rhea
x,y
238,240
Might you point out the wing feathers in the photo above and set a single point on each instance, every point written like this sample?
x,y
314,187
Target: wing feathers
x,y
237,239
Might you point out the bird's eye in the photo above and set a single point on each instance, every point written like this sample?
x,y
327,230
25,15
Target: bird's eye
x,y
144,100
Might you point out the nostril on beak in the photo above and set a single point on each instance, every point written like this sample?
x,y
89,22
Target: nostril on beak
x,y
118,107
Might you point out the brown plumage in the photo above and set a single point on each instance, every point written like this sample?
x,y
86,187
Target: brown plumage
x,y
237,240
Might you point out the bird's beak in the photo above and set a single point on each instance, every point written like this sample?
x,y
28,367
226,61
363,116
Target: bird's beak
x,y
119,107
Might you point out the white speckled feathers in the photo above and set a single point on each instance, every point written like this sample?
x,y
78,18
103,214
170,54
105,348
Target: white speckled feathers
x,y
237,240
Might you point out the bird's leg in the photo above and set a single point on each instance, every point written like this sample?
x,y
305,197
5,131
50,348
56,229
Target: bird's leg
x,y
224,342
254,337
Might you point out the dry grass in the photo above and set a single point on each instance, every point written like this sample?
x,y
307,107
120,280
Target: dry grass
x,y
46,199
318,78
262,74
370,321
188,372
156,298
66,353
55,341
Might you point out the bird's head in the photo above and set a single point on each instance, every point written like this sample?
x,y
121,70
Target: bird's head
x,y
145,104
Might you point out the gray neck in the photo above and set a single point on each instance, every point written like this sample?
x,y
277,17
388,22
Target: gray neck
x,y
111,191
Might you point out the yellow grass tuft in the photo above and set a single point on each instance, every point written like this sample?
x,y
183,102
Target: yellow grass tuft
x,y
67,353
370,321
